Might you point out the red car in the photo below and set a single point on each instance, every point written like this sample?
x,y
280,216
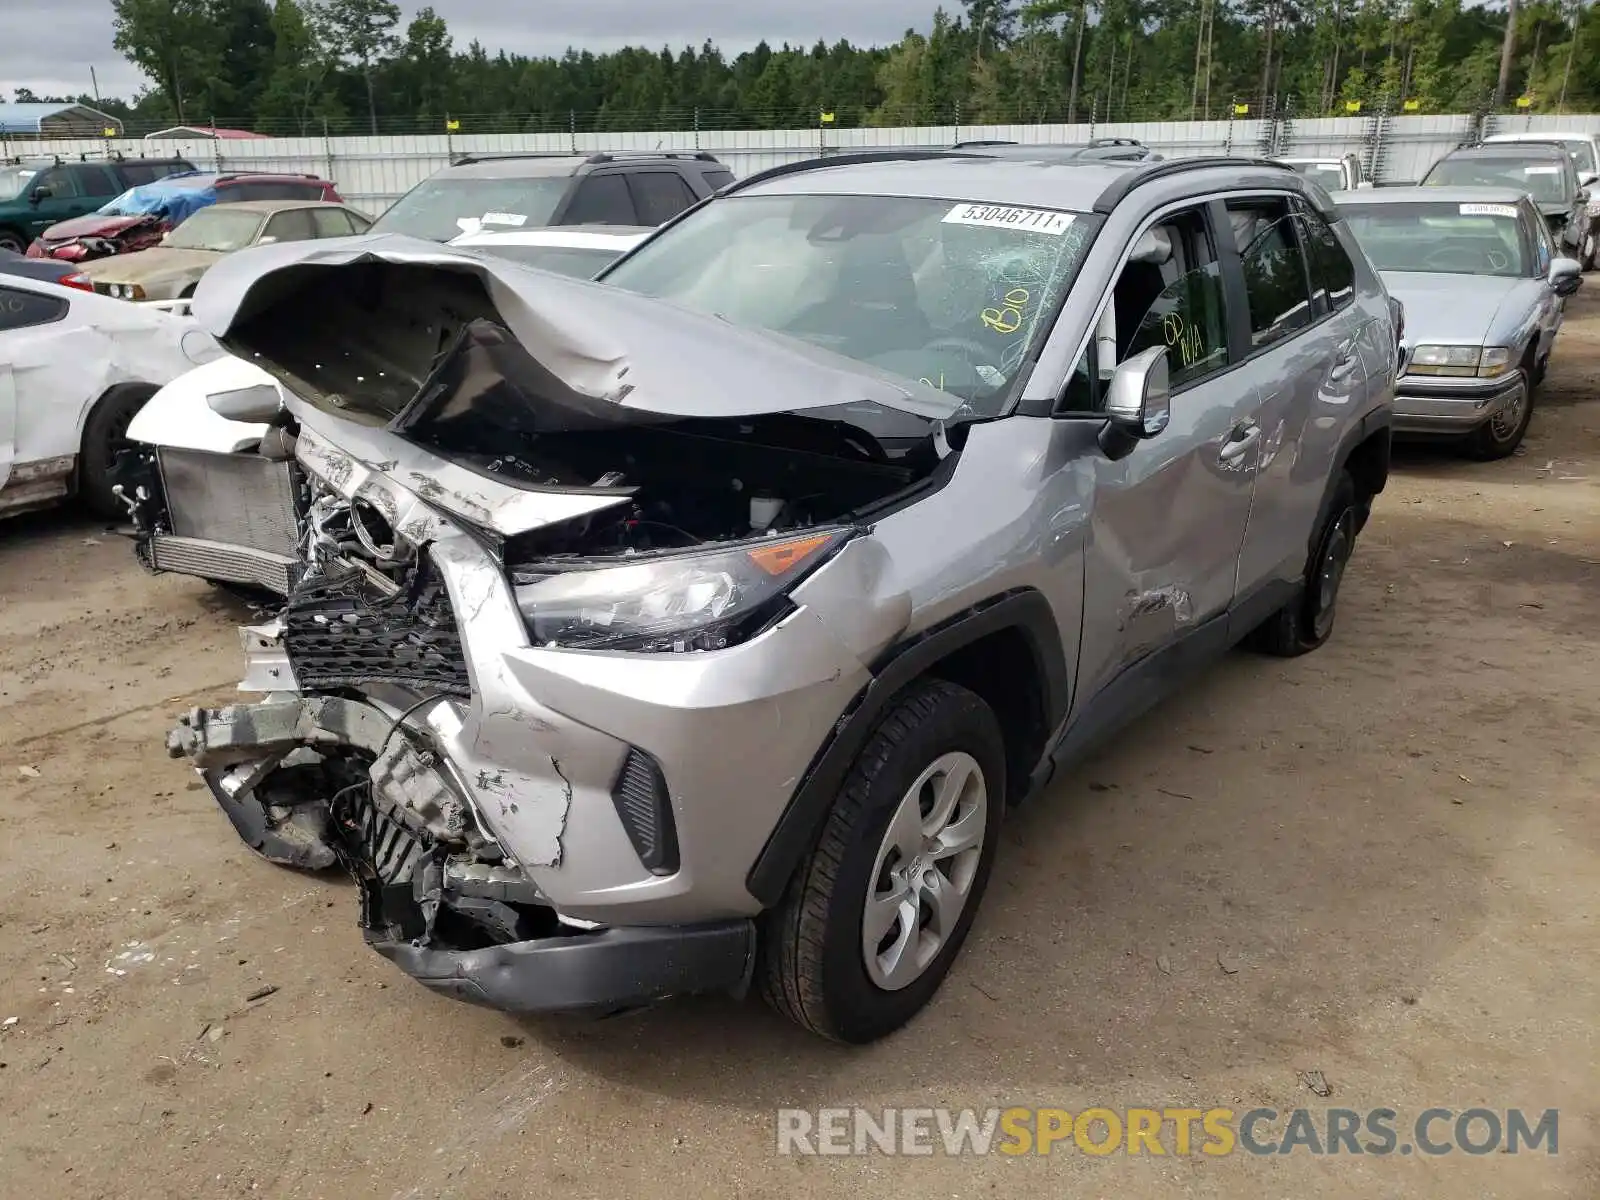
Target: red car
x,y
137,219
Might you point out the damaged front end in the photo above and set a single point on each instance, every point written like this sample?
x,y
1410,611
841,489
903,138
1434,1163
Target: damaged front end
x,y
574,617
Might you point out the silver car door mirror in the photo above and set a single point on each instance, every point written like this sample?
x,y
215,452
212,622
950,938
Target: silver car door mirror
x,y
1566,276
1138,402
254,405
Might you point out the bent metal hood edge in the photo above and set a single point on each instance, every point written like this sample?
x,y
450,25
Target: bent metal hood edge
x,y
645,356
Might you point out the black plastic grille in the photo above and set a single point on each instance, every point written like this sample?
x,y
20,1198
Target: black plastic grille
x,y
383,857
342,631
643,804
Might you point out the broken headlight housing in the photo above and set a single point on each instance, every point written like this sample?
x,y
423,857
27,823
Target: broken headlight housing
x,y
671,603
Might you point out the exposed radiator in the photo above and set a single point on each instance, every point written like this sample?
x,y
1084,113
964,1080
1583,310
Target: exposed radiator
x,y
233,499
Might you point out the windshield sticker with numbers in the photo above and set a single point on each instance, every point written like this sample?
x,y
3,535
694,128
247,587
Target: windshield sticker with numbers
x,y
999,216
1489,210
1541,170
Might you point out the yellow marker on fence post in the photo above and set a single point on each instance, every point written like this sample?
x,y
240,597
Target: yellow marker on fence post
x,y
1524,101
451,126
1241,110
1352,106
827,118
1412,105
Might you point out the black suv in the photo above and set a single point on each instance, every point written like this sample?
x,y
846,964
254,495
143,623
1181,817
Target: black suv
x,y
525,191
36,193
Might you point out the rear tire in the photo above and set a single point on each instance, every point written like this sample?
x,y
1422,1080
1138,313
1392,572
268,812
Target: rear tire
x,y
13,241
1306,622
1501,434
930,779
105,435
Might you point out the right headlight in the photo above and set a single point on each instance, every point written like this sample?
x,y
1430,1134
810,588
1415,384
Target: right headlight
x,y
672,603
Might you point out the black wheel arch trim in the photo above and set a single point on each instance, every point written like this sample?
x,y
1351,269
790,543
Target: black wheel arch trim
x,y
1023,609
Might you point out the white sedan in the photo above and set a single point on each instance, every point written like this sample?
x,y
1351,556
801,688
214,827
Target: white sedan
x,y
74,370
581,251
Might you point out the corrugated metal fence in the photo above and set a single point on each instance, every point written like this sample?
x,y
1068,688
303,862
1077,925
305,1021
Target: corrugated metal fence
x,y
372,171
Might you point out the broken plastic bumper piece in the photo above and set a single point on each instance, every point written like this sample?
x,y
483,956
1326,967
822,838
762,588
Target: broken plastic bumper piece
x,y
315,782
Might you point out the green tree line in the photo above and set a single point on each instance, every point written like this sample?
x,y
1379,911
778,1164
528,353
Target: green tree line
x,y
302,67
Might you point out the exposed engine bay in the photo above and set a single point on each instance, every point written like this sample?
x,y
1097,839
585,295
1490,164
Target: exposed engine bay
x,y
476,471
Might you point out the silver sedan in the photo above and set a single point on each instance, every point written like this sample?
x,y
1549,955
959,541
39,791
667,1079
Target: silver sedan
x,y
1484,295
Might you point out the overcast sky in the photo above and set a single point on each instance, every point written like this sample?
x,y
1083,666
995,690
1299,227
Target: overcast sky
x,y
49,45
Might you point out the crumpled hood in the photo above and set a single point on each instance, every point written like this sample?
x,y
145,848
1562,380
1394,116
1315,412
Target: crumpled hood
x,y
602,350
1448,309
93,225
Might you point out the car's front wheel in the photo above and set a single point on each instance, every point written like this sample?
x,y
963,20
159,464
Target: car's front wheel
x,y
12,241
877,913
1501,434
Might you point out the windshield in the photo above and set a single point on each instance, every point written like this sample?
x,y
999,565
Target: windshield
x,y
1542,180
950,293
581,262
13,180
221,229
442,208
1327,174
1451,239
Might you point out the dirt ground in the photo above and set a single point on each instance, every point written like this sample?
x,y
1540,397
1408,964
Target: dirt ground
x,y
1380,862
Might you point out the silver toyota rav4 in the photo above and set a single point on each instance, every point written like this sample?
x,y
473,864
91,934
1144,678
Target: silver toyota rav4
x,y
694,629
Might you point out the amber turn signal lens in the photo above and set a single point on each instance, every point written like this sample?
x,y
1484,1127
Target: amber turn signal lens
x,y
783,557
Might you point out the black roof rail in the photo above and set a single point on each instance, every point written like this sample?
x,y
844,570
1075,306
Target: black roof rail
x,y
844,160
462,160
1118,190
606,156
977,142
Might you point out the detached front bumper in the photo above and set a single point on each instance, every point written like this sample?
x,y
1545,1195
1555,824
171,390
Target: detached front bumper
x,y
388,848
607,971
1442,405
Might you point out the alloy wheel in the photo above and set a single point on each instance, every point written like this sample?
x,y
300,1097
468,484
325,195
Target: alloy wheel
x,y
923,875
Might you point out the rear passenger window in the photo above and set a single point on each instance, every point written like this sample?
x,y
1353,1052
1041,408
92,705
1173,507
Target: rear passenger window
x,y
95,181
22,310
716,180
1274,272
331,222
1333,275
659,195
601,200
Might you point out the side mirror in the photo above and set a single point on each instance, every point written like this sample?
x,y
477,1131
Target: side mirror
x,y
1566,276
1582,197
43,192
258,404
1138,402
266,241
1588,179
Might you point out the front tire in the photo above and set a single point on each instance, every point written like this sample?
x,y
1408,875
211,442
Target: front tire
x,y
1501,434
1306,622
876,914
105,435
13,241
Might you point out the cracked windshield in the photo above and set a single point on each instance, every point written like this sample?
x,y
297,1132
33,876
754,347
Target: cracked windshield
x,y
948,293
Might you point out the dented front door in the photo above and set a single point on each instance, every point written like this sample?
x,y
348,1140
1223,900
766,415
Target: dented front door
x,y
1167,527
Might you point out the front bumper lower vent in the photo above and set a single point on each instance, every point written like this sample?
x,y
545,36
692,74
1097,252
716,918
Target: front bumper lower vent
x,y
645,807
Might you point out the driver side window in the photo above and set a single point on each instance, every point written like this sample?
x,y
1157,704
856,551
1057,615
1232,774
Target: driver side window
x,y
1169,293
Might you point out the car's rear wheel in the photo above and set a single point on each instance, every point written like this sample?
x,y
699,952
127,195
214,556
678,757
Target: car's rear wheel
x,y
13,241
1306,622
105,435
1501,434
877,913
